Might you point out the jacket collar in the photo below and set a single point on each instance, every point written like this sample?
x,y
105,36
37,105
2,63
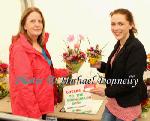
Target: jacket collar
x,y
128,41
27,46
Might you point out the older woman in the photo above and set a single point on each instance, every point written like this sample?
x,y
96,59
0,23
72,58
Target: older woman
x,y
31,69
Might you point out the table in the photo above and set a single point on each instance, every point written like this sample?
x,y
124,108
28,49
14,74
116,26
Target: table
x,y
5,107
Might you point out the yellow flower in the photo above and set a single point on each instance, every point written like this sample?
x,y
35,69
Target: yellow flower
x,y
93,60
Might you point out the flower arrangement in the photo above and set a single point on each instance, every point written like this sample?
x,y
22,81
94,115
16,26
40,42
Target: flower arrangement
x,y
3,69
94,54
145,106
3,84
58,91
148,61
74,57
3,89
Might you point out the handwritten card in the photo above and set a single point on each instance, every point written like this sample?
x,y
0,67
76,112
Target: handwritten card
x,y
79,101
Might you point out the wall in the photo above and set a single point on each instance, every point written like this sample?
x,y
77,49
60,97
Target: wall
x,y
90,18
10,11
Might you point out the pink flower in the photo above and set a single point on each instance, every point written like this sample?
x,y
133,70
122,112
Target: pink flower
x,y
81,37
65,55
91,49
77,45
70,38
74,55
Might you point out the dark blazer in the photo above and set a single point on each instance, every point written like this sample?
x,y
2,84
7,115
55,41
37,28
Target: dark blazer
x,y
128,67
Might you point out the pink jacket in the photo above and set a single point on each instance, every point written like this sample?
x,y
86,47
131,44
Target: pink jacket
x,y
31,79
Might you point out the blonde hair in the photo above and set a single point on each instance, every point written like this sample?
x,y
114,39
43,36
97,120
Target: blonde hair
x,y
24,16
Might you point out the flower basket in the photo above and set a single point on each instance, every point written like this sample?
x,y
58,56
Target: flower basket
x,y
94,54
74,57
74,66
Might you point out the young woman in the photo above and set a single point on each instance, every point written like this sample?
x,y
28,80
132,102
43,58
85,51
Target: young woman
x,y
31,69
125,65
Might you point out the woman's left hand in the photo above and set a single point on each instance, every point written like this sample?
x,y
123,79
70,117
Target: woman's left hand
x,y
99,91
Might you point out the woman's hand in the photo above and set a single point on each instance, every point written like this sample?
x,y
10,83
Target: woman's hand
x,y
70,71
99,91
96,65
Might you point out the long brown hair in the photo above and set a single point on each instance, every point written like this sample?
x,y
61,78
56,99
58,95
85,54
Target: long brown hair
x,y
24,16
129,18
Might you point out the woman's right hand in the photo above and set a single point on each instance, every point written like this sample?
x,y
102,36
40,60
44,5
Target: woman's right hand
x,y
99,91
96,65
